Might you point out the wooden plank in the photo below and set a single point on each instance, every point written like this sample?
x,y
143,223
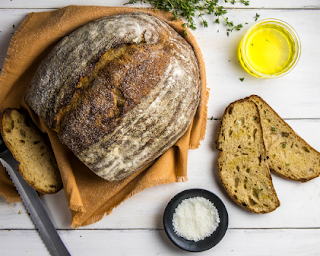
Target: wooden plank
x,y
62,3
293,242
299,208
293,96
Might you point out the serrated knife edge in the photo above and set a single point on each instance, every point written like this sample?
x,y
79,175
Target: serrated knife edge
x,y
35,207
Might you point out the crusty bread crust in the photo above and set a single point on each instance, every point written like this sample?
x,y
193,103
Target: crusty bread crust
x,y
37,164
241,163
117,127
288,155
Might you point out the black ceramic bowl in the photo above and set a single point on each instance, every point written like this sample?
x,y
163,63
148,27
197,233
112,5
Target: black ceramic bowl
x,y
206,243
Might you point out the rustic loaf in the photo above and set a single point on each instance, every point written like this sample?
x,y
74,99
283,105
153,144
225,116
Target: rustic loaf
x,y
241,163
37,164
288,154
119,92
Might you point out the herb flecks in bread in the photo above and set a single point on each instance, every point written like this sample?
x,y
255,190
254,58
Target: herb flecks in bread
x,y
288,155
37,164
241,163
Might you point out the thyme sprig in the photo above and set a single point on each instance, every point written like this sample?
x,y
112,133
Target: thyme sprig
x,y
256,17
188,9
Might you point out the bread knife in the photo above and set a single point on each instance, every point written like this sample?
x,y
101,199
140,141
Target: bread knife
x,y
33,205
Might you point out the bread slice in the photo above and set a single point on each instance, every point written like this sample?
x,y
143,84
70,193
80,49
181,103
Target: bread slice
x,y
241,163
288,154
37,164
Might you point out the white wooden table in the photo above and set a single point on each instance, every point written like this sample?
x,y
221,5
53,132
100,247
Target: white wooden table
x,y
135,227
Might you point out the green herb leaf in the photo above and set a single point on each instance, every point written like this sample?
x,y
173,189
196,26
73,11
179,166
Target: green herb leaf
x,y
241,79
287,164
238,27
244,2
284,145
185,32
256,191
273,129
257,17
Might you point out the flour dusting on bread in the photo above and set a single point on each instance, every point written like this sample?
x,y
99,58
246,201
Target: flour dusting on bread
x,y
119,91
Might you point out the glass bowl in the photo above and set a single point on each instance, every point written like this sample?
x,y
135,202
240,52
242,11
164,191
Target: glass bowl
x,y
287,37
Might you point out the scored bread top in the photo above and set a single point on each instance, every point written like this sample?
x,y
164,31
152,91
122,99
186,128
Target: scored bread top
x,y
241,162
37,164
97,74
119,91
288,154
115,85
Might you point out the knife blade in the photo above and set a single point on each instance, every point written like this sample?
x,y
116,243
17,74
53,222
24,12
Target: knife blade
x,y
34,206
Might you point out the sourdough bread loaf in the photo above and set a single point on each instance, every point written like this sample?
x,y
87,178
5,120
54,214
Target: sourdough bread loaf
x,y
241,163
119,92
37,164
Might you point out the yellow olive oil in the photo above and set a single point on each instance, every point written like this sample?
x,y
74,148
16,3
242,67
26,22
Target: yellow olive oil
x,y
268,50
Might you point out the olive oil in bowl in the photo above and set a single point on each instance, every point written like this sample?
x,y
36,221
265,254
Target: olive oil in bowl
x,y
269,49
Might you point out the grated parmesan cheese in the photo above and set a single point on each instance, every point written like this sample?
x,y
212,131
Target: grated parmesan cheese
x,y
195,218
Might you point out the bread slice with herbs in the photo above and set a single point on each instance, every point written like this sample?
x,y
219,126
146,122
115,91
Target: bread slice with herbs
x,y
37,163
241,163
288,154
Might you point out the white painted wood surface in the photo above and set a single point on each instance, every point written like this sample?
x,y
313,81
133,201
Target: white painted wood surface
x,y
135,227
285,4
248,242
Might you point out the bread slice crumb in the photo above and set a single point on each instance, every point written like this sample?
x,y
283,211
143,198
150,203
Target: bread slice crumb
x,y
241,163
288,155
37,163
